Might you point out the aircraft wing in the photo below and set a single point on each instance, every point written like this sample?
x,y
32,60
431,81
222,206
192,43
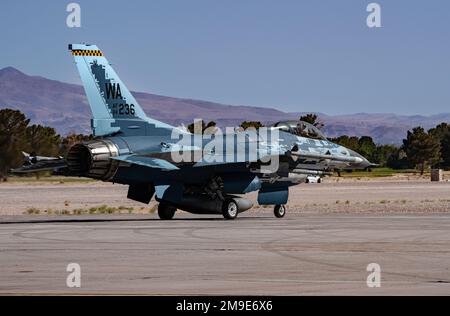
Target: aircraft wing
x,y
147,162
211,160
263,153
200,158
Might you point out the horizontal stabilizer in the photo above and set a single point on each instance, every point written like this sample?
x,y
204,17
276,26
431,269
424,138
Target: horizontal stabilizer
x,y
147,162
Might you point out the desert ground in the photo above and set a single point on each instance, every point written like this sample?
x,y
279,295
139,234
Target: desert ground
x,y
331,232
56,196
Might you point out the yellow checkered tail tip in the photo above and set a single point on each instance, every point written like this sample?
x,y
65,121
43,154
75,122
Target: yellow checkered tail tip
x,y
86,52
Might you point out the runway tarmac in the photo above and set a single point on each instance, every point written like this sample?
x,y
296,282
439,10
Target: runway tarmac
x,y
302,254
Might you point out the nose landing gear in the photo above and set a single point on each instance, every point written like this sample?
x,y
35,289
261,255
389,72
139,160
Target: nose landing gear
x,y
279,210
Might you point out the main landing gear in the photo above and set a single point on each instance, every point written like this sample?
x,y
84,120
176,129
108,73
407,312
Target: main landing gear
x,y
230,209
165,211
279,210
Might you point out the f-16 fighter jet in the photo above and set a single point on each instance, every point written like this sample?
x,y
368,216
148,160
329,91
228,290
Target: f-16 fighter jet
x,y
197,173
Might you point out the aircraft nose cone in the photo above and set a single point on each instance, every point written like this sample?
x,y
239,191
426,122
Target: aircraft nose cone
x,y
365,163
360,161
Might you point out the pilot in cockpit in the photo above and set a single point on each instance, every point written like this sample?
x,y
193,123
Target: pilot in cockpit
x,y
301,128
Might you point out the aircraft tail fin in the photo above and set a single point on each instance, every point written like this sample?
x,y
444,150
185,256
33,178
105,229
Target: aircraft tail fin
x,y
114,109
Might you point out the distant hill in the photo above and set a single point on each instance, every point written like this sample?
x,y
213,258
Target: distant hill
x,y
64,107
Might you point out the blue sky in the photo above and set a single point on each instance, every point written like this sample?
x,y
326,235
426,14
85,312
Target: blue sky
x,y
299,55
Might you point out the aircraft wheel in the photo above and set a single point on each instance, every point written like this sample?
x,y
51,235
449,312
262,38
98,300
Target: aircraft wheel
x,y
230,209
279,210
166,212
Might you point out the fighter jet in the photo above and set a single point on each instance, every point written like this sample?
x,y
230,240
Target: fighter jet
x,y
197,173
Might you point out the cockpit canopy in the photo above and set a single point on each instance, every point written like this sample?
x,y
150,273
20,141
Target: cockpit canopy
x,y
300,128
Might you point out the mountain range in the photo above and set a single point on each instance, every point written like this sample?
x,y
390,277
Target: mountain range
x,y
64,106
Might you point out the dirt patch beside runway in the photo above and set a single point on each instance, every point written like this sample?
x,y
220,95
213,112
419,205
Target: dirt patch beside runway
x,y
346,196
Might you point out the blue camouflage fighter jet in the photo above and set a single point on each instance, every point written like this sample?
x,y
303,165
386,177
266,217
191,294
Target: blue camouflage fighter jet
x,y
197,173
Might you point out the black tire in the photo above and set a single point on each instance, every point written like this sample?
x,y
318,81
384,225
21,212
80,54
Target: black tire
x,y
319,180
279,210
230,209
166,212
